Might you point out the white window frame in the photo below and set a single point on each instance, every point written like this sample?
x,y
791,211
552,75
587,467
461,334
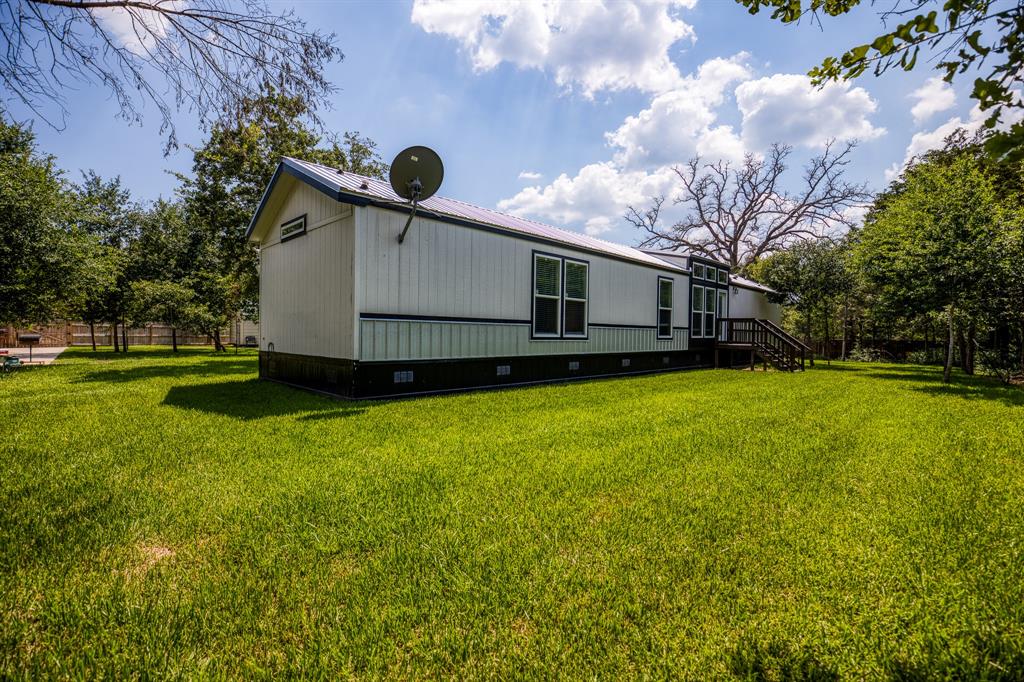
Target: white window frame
x,y
671,304
723,312
555,297
710,273
566,262
297,227
712,303
695,275
698,311
723,276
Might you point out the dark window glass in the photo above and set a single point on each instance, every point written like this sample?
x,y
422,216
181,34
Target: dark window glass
x,y
547,278
545,316
697,324
575,280
576,317
664,322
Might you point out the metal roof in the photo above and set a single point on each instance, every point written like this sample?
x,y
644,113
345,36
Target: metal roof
x,y
347,186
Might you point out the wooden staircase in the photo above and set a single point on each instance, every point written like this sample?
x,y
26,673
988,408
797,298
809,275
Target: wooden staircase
x,y
762,339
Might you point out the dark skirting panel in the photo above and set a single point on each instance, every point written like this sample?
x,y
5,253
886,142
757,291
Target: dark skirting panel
x,y
353,379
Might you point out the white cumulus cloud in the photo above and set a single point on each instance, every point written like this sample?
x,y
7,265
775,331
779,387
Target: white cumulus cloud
x,y
589,46
787,108
934,96
530,175
596,196
678,123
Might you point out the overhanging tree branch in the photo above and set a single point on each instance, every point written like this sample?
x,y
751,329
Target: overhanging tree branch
x,y
204,56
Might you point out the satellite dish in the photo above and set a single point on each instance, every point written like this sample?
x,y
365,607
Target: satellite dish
x,y
416,174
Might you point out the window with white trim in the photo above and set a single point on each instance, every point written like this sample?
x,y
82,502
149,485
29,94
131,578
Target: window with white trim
x,y
547,295
698,271
709,313
574,318
293,228
710,273
697,319
723,276
665,307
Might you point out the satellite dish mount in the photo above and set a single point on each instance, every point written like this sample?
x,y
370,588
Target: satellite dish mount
x,y
416,174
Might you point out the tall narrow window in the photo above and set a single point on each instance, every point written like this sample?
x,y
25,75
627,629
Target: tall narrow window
x,y
710,273
709,313
723,313
698,271
664,308
547,294
697,319
575,305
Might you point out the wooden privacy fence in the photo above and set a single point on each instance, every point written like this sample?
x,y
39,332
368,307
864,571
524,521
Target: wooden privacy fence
x,y
77,334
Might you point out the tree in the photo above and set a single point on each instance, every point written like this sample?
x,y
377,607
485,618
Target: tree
x,y
104,209
207,56
42,257
814,277
739,214
229,175
968,34
168,303
927,245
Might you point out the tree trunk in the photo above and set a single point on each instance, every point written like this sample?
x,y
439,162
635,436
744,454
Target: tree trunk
x,y
972,335
828,336
947,372
217,345
174,339
846,325
113,334
92,334
810,338
124,336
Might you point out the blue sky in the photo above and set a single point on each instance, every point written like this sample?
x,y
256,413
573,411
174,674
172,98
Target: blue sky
x,y
567,112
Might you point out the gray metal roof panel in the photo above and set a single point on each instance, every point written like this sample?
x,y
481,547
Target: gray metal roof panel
x,y
380,190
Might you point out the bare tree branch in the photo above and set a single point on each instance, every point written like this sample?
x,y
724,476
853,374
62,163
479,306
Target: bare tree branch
x,y
204,56
738,214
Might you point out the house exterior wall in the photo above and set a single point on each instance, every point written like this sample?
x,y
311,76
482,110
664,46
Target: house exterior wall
x,y
451,292
744,302
307,300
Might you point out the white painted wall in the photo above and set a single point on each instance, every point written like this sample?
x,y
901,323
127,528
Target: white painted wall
x,y
744,302
307,299
449,270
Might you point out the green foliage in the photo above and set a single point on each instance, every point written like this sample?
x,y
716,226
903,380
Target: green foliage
x,y
43,259
176,517
229,175
961,36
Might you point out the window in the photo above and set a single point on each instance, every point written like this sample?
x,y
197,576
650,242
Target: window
x,y
723,313
711,273
547,289
709,313
665,308
575,305
698,271
560,294
723,276
697,321
293,228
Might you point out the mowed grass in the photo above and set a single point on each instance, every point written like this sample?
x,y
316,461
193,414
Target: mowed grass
x,y
173,516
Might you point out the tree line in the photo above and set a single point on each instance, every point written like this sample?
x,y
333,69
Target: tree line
x,y
88,250
939,259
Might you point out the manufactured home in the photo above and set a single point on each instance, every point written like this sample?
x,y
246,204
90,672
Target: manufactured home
x,y
475,297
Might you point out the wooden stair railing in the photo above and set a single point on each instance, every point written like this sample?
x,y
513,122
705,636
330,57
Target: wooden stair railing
x,y
764,338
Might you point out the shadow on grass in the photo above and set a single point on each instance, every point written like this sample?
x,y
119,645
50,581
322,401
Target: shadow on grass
x,y
929,379
209,367
255,399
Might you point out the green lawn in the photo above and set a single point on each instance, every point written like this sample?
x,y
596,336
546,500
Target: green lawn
x,y
176,516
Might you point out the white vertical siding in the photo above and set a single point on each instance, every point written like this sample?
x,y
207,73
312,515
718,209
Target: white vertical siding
x,y
745,302
307,296
444,270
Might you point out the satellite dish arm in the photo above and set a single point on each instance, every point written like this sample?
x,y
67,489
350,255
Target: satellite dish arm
x,y
408,223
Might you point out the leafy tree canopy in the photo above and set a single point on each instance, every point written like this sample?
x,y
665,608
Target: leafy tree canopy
x,y
981,36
